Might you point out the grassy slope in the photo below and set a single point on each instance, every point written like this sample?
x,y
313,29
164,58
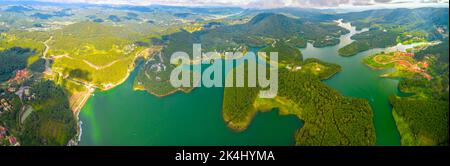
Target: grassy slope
x,y
103,56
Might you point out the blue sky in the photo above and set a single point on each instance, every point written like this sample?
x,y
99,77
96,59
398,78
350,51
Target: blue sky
x,y
273,3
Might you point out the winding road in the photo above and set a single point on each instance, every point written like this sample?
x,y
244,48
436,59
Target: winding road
x,y
48,70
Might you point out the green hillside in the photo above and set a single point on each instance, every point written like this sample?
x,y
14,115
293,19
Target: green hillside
x,y
330,119
391,26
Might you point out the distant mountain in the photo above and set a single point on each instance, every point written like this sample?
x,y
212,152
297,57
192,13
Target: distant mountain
x,y
281,26
274,26
305,13
42,16
19,9
182,15
114,18
426,19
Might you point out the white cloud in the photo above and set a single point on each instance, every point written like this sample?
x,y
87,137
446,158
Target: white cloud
x,y
267,3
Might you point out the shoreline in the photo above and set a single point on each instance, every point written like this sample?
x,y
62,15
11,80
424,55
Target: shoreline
x,y
236,127
163,95
375,68
332,75
260,107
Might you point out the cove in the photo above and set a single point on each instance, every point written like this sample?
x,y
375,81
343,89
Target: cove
x,y
122,116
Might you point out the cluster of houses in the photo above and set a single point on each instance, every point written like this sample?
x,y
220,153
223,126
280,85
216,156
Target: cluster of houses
x,y
419,67
20,76
5,105
23,93
5,139
399,54
294,68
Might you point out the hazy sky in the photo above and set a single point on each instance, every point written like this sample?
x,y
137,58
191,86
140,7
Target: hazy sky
x,y
272,3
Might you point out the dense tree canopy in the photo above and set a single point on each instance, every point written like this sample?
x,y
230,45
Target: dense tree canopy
x,y
421,121
52,121
13,59
368,40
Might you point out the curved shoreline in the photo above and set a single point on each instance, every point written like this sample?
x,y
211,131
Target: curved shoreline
x,y
166,94
91,91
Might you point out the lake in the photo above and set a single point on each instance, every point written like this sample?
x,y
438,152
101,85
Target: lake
x,y
358,80
122,116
